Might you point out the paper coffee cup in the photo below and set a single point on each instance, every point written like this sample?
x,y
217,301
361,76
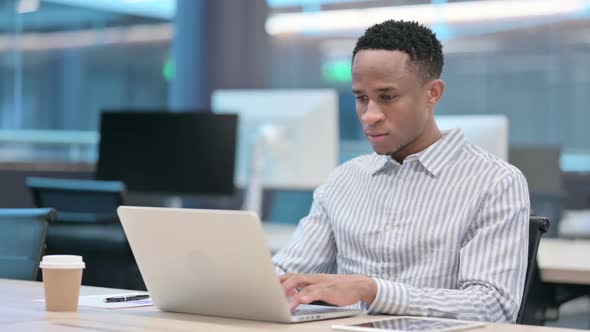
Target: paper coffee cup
x,y
62,276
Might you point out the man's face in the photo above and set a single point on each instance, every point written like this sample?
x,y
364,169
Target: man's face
x,y
392,100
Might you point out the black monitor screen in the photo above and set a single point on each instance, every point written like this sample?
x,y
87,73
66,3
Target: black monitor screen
x,y
169,152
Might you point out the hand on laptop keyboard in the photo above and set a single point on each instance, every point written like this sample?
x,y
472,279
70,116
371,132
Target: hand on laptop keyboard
x,y
340,290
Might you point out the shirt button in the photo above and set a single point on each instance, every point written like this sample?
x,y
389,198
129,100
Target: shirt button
x,y
385,276
388,228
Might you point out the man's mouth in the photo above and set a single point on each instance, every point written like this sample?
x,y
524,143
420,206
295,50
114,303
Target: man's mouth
x,y
375,137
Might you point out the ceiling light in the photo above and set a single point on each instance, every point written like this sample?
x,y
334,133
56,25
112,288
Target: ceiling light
x,y
355,20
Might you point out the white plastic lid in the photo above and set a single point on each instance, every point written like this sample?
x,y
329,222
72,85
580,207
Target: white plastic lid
x,y
62,262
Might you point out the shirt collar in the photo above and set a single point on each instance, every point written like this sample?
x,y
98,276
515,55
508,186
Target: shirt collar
x,y
434,158
380,162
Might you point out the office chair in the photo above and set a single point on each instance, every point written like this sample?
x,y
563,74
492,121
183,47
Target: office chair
x,y
22,241
78,201
87,225
535,296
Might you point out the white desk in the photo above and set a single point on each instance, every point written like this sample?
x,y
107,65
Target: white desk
x,y
19,313
574,224
564,261
560,261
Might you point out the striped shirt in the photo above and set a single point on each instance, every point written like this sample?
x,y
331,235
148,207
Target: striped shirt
x,y
444,234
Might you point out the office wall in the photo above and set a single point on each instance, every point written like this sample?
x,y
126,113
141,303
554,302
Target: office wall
x,y
61,64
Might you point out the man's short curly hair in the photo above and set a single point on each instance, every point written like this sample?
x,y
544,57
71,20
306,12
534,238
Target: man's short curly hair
x,y
412,38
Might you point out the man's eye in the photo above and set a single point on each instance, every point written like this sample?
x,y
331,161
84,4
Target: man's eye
x,y
388,97
361,98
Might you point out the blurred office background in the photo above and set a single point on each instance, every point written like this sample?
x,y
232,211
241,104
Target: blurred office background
x,y
63,62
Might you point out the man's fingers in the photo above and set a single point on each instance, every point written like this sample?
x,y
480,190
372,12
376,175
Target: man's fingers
x,y
285,276
291,293
312,288
298,299
317,277
336,290
307,295
294,281
293,304
293,277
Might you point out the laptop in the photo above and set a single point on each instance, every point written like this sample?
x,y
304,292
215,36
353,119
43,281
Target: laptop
x,y
211,262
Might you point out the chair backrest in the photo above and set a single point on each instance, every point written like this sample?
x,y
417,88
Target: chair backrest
x,y
80,201
22,241
532,308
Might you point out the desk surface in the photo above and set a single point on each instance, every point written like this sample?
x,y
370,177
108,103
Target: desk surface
x,y
560,260
564,261
19,313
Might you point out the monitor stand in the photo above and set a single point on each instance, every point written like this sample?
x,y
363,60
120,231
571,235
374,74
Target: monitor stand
x,y
253,196
268,135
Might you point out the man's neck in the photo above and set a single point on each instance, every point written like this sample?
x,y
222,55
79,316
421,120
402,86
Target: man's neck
x,y
430,135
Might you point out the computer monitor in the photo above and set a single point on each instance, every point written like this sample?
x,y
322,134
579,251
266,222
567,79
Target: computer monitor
x,y
287,139
540,166
489,132
169,152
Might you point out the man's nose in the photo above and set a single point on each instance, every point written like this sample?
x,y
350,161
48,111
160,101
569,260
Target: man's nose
x,y
373,114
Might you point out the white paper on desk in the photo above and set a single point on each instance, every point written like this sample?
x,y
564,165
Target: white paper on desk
x,y
97,301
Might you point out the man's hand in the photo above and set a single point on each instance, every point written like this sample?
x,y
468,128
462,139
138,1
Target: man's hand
x,y
335,289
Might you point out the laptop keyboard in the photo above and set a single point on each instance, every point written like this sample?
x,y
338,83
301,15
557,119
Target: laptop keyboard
x,y
312,310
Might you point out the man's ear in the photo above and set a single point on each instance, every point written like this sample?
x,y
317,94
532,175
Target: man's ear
x,y
435,90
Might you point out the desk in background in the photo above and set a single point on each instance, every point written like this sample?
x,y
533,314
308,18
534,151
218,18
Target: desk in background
x,y
565,272
19,313
564,261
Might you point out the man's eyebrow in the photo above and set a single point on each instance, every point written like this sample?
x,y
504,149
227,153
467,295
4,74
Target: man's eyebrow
x,y
386,89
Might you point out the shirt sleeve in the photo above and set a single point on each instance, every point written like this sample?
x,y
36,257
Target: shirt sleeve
x,y
312,248
493,261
